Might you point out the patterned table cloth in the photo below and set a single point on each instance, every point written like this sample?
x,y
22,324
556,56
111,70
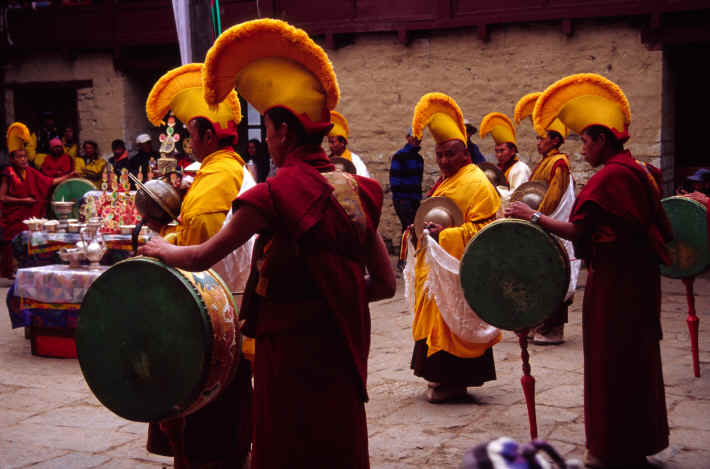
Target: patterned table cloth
x,y
50,295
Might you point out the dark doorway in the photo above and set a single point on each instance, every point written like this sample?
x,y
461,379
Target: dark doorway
x,y
691,95
31,102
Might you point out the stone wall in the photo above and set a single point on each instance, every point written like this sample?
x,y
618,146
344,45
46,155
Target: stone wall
x,y
381,81
101,108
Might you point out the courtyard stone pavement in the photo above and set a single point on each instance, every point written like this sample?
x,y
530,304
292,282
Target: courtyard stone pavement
x,y
50,419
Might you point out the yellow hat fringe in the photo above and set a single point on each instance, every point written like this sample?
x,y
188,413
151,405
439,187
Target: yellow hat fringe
x,y
17,136
339,122
172,83
525,106
434,103
495,119
261,38
554,98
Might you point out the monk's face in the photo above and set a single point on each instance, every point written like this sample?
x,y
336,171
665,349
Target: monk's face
x,y
593,149
504,153
276,140
337,145
546,143
19,159
451,156
56,150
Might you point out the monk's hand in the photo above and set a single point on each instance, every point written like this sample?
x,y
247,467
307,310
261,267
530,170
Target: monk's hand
x,y
434,229
28,200
157,247
518,210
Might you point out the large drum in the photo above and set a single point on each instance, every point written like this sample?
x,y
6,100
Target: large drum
x,y
155,342
71,190
688,251
514,274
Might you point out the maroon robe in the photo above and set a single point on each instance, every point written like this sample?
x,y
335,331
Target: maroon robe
x,y
623,233
57,167
34,184
306,305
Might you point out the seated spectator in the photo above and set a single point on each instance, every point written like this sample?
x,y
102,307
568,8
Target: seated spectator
x,y
57,163
700,181
71,147
257,153
91,165
23,194
141,159
120,158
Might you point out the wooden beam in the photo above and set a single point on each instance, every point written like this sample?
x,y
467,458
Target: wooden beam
x,y
75,84
483,32
567,27
330,40
403,36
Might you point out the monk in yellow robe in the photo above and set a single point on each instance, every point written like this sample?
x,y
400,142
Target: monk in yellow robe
x,y
219,434
449,363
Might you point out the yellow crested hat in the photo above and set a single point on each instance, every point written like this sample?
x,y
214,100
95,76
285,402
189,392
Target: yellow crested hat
x,y
272,63
180,91
499,126
582,100
442,115
525,107
18,135
340,125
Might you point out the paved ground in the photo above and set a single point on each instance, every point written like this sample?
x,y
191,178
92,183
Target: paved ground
x,y
50,419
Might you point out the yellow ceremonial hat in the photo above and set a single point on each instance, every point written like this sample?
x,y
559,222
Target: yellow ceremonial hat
x,y
272,63
442,115
582,100
340,125
18,135
499,126
180,91
525,107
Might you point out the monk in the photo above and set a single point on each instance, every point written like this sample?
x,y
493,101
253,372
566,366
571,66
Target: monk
x,y
57,163
318,261
620,228
448,363
23,193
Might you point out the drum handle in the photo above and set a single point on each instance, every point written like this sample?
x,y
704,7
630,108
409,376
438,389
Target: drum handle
x,y
134,236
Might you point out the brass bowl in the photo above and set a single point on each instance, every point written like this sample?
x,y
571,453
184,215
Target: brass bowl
x,y
158,200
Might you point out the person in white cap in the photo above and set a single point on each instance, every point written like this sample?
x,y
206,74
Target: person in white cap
x,y
145,152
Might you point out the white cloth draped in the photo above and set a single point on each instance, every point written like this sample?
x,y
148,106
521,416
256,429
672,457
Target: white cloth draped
x,y
360,168
562,213
444,285
234,269
181,11
519,173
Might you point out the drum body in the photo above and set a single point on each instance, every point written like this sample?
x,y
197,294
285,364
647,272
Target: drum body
x,y
688,251
71,190
514,274
155,342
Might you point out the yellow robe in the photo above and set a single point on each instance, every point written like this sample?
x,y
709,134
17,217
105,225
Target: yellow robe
x,y
478,200
206,204
556,180
91,170
70,150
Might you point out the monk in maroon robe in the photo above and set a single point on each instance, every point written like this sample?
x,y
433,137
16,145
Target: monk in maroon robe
x,y
23,193
57,163
306,302
620,229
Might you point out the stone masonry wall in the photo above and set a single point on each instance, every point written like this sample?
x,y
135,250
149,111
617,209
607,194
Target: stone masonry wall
x,y
381,81
101,108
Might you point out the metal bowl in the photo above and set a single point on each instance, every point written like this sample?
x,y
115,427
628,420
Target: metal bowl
x,y
158,200
62,209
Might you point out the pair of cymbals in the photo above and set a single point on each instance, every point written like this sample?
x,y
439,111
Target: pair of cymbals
x,y
440,210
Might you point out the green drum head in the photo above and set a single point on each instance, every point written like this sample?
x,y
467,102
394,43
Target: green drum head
x,y
72,190
513,274
143,340
689,249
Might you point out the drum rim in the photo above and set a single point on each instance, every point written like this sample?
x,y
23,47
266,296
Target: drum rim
x,y
208,332
553,242
665,270
73,179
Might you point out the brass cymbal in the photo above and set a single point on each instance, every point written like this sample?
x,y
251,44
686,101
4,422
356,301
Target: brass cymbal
x,y
530,193
441,210
494,174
